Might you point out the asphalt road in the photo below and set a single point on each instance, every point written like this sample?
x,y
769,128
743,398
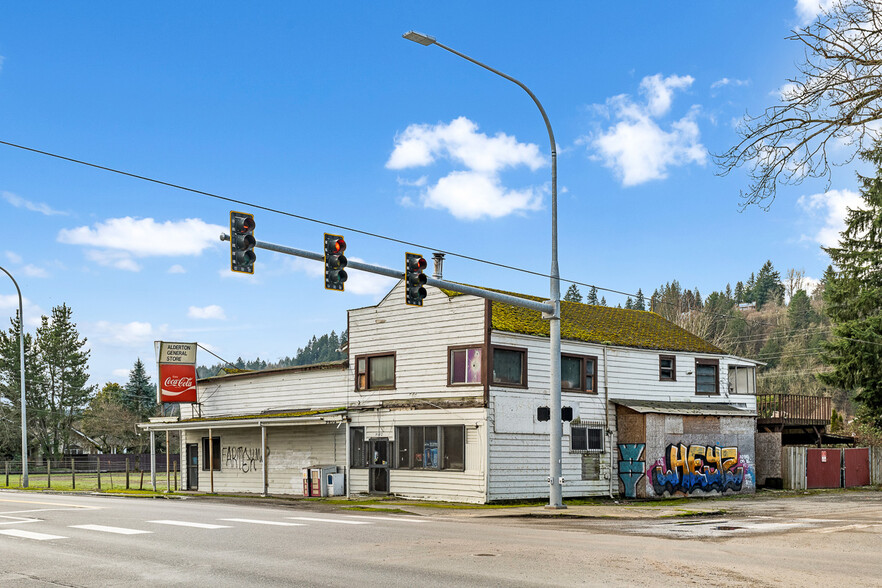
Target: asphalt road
x,y
78,540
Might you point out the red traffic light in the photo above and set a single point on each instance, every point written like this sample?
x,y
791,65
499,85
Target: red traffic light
x,y
338,246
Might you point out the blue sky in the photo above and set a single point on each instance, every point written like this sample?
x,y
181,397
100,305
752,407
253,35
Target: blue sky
x,y
324,111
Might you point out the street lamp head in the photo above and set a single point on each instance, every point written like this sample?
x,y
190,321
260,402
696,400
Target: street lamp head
x,y
419,38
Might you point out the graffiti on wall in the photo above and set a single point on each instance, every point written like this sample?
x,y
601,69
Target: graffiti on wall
x,y
631,467
248,459
697,467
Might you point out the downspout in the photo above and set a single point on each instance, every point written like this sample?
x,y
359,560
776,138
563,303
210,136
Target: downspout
x,y
612,474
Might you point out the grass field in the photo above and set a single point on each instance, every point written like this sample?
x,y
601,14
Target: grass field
x,y
89,481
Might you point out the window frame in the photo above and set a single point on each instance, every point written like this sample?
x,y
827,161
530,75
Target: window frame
x,y
353,431
701,361
408,431
466,348
215,455
583,373
673,368
585,426
523,352
367,364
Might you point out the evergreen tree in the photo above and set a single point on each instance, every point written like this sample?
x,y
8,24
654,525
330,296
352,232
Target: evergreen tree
x,y
62,393
768,287
799,312
603,301
592,296
639,302
139,395
573,294
628,303
739,293
853,297
10,387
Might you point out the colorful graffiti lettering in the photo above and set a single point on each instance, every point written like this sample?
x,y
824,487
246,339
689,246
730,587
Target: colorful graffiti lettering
x,y
696,467
631,467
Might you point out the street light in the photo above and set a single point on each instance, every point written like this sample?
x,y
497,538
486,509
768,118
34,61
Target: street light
x,y
555,478
24,421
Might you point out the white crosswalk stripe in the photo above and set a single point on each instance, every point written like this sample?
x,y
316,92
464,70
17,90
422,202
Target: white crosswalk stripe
x,y
321,520
262,522
30,535
105,529
386,518
190,524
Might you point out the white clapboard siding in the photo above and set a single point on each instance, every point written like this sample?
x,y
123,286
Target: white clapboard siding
x,y
272,391
420,338
448,485
289,450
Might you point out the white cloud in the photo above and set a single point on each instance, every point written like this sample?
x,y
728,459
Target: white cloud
x,y
133,334
477,192
636,147
808,10
19,202
33,271
118,241
13,257
177,269
357,282
831,207
728,82
121,372
212,311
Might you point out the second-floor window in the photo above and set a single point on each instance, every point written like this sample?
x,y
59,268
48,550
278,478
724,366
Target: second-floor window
x,y
578,373
465,366
707,376
510,366
375,371
667,368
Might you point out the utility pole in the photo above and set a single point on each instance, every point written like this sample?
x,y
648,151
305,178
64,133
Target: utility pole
x,y
24,411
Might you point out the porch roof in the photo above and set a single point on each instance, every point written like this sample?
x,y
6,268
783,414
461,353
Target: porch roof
x,y
269,419
684,407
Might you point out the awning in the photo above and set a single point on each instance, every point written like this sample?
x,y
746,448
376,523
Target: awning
x,y
329,417
688,408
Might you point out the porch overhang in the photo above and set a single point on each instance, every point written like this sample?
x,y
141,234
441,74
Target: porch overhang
x,y
685,408
287,419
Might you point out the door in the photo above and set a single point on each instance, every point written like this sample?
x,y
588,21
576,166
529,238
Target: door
x,y
378,468
857,466
823,468
192,466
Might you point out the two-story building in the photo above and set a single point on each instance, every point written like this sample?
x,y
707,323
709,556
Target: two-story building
x,y
440,402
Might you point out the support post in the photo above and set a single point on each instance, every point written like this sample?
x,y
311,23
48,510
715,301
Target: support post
x,y
153,459
49,473
167,463
73,474
211,460
98,469
127,473
263,454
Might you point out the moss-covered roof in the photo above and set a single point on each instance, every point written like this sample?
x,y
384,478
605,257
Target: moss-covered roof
x,y
598,324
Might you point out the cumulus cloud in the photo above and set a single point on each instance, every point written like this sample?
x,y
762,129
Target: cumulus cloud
x,y
723,82
177,269
808,10
117,242
636,146
357,282
19,202
478,191
33,271
13,257
830,209
131,334
9,307
212,311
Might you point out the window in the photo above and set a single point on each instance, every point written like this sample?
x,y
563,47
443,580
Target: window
x,y
465,366
578,373
433,448
510,366
375,371
586,438
742,379
358,453
707,376
667,368
215,454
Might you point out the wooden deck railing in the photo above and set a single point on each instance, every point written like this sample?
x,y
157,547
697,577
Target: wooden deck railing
x,y
793,409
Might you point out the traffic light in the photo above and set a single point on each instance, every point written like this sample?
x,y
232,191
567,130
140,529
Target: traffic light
x,y
566,413
242,242
414,279
335,261
543,413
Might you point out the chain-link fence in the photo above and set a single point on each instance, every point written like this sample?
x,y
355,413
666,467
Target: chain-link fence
x,y
94,472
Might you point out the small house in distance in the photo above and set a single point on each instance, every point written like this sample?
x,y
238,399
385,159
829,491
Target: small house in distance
x,y
440,402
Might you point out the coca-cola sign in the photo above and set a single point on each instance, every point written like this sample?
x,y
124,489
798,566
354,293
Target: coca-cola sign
x,y
177,383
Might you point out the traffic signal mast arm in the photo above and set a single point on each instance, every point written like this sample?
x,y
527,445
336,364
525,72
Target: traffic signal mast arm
x,y
544,307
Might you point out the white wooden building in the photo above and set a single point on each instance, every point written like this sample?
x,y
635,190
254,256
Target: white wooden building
x,y
440,402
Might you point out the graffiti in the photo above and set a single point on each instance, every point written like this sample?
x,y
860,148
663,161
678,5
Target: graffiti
x,y
696,467
631,467
247,459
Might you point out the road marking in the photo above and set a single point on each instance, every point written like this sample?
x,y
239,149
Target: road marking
x,y
855,527
105,529
260,522
17,501
29,535
190,524
319,520
387,518
17,520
